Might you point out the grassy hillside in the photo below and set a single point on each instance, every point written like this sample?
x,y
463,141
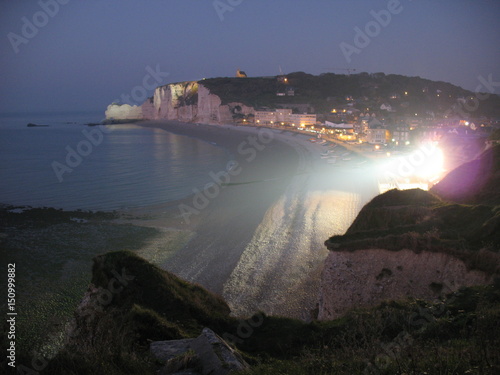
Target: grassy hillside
x,y
407,95
456,335
130,303
418,220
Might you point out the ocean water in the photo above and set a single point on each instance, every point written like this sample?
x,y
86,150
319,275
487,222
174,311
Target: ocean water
x,y
73,166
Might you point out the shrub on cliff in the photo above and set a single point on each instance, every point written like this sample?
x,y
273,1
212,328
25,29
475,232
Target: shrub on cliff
x,y
130,303
420,221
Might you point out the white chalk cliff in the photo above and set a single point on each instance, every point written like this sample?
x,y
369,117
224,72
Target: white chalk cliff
x,y
185,101
123,112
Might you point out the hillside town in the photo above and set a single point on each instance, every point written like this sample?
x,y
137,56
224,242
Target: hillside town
x,y
385,123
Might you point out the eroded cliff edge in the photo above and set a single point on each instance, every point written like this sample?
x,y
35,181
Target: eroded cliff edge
x,y
413,243
189,101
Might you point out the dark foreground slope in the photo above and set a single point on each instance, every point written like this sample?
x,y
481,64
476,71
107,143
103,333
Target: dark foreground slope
x,y
475,182
111,335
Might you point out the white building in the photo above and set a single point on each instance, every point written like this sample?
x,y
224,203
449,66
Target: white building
x,y
302,119
273,116
376,136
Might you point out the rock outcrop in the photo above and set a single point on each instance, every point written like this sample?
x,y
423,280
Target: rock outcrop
x,y
208,354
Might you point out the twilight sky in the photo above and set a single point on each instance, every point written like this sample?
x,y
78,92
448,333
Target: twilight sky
x,y
83,55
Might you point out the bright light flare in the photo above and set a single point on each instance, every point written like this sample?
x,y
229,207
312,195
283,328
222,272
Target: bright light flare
x,y
420,168
433,164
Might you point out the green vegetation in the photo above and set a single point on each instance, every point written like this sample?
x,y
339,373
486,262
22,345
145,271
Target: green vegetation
x,y
459,216
255,92
469,232
131,303
456,336
408,95
459,334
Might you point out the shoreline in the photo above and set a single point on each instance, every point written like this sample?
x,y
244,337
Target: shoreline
x,y
259,240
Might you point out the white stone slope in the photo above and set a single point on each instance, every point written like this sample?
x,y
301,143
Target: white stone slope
x,y
364,278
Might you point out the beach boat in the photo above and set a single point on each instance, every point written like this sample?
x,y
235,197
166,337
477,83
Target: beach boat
x,y
332,160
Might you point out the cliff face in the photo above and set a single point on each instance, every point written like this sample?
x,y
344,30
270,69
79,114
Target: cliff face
x,y
365,278
409,243
186,102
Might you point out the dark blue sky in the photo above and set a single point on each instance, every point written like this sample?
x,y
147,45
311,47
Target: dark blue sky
x,y
89,53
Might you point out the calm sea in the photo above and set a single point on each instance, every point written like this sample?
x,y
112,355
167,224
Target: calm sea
x,y
118,167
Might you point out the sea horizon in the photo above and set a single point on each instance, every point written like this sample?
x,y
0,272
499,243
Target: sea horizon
x,y
69,165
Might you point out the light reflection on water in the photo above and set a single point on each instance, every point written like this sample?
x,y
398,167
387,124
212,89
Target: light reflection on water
x,y
282,264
